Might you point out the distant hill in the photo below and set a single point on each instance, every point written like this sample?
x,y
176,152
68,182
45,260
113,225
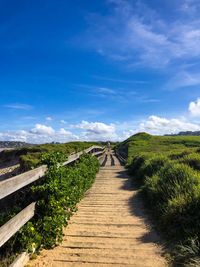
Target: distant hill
x,y
13,144
186,133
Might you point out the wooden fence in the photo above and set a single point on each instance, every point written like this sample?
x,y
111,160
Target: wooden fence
x,y
11,185
121,159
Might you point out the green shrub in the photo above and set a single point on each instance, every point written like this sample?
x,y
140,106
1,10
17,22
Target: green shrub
x,y
152,165
136,164
145,165
187,254
193,160
178,155
174,196
30,161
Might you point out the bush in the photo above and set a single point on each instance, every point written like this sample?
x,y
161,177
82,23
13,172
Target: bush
x,y
187,254
136,164
152,165
174,196
145,165
178,155
193,160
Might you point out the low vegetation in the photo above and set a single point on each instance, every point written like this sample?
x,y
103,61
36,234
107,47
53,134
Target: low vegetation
x,y
56,196
30,157
168,170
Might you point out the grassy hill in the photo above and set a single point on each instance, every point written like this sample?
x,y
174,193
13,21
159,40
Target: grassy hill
x,y
169,145
167,168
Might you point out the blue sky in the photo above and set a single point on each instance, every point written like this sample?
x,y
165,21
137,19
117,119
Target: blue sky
x,y
98,70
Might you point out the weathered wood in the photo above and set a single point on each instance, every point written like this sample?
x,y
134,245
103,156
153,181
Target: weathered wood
x,y
121,159
14,224
13,184
21,260
98,153
76,156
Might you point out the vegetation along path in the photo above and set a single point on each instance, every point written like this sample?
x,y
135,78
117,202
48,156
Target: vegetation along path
x,y
109,228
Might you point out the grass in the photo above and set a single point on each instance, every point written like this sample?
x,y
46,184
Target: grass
x,y
168,170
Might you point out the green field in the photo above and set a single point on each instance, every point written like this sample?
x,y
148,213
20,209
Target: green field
x,y
167,169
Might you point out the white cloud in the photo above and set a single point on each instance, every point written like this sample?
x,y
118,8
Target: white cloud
x,y
97,131
190,6
104,90
96,127
14,136
49,118
43,129
126,35
39,134
89,131
126,134
183,79
194,108
62,131
99,91
119,80
100,131
63,122
19,106
159,125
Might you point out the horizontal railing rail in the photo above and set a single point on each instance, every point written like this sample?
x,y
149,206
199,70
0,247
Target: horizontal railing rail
x,y
17,182
11,185
121,159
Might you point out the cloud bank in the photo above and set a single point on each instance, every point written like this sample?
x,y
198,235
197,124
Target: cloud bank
x,y
101,131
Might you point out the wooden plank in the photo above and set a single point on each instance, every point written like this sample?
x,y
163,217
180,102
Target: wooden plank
x,y
21,260
73,158
13,184
76,156
121,159
14,224
98,153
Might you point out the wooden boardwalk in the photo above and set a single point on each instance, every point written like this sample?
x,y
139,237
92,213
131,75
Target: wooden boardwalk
x,y
109,228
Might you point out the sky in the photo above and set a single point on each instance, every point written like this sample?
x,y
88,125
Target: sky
x,y
98,70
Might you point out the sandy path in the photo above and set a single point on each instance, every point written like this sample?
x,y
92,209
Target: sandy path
x,y
9,171
109,229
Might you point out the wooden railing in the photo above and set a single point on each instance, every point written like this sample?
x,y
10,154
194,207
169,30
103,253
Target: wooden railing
x,y
121,159
11,185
